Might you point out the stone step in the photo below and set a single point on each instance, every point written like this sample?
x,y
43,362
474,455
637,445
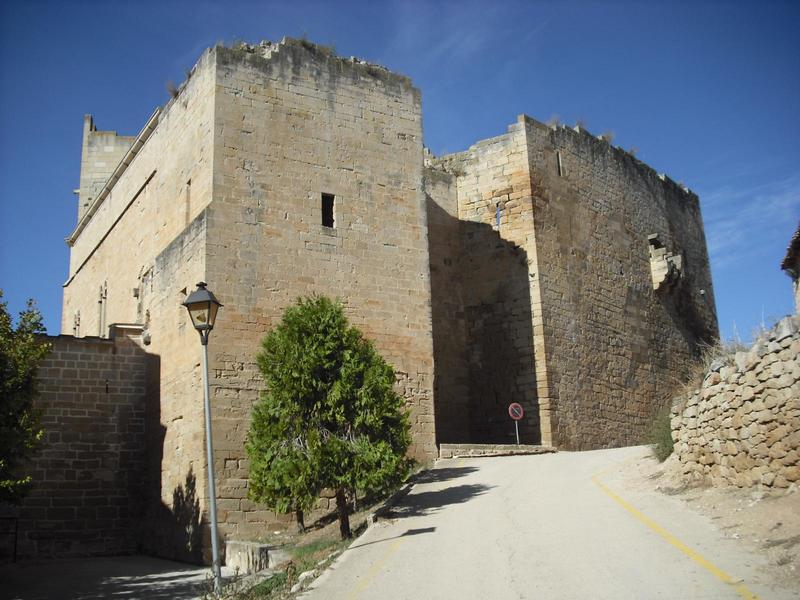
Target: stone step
x,y
465,450
252,557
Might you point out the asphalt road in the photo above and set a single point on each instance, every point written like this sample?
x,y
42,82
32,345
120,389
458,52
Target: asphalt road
x,y
550,527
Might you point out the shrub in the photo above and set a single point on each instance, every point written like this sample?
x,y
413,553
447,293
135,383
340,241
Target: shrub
x,y
21,351
330,417
659,435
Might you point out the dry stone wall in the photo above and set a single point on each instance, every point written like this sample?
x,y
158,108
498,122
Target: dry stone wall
x,y
742,427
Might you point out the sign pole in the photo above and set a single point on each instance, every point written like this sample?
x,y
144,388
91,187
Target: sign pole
x,y
516,426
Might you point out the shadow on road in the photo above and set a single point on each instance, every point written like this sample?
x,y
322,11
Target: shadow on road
x,y
422,503
445,474
96,578
406,533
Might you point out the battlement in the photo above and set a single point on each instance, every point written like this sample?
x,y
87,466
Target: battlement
x,y
301,50
561,134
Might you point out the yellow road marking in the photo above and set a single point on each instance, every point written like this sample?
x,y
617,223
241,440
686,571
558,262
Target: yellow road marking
x,y
740,588
376,568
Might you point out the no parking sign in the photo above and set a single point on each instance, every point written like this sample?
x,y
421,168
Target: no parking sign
x,y
515,412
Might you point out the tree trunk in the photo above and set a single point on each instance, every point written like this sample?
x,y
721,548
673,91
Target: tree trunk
x,y
344,514
301,525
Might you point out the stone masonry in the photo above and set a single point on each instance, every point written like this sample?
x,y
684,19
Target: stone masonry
x,y
88,496
518,270
742,427
549,292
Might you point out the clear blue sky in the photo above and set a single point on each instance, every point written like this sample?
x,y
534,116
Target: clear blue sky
x,y
707,92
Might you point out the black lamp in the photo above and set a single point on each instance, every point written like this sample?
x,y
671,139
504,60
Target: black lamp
x,y
202,307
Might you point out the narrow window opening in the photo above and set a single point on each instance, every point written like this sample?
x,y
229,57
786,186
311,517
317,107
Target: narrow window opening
x,y
560,165
327,210
188,202
497,215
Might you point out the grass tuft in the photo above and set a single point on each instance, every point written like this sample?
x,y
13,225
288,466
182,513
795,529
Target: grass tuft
x,y
659,435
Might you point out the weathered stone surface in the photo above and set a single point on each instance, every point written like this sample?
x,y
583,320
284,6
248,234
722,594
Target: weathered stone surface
x,y
748,434
716,366
246,557
87,497
786,327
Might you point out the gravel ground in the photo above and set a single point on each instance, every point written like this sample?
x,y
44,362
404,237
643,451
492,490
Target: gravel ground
x,y
766,522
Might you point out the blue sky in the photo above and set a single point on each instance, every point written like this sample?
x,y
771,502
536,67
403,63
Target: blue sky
x,y
707,92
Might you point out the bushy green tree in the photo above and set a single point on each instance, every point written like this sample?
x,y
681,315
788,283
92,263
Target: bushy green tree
x,y
21,351
330,417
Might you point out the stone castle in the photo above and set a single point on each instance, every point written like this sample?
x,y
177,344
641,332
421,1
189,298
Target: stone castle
x,y
543,266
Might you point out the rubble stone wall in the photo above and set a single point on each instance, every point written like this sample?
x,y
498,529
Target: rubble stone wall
x,y
742,427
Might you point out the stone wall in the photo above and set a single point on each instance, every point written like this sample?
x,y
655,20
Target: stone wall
x,y
575,281
611,343
742,427
449,323
294,122
483,267
88,496
134,261
100,154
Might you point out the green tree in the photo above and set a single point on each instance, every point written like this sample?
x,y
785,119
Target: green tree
x,y
330,417
21,351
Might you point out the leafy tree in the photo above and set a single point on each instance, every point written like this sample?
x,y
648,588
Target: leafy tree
x,y
330,417
21,351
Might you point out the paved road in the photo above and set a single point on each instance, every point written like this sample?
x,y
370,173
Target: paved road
x,y
550,527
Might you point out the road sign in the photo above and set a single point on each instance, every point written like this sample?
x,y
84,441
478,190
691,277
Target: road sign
x,y
515,411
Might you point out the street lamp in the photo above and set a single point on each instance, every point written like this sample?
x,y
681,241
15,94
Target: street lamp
x,y
203,307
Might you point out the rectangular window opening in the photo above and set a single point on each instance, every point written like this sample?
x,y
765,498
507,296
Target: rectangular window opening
x,y
560,166
327,210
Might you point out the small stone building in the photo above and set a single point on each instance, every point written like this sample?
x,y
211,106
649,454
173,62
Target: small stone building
x,y
542,266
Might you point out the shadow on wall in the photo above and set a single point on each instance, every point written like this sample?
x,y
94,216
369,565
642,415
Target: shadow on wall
x,y
174,532
696,322
482,332
177,532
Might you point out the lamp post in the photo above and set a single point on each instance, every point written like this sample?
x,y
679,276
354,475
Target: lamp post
x,y
203,307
